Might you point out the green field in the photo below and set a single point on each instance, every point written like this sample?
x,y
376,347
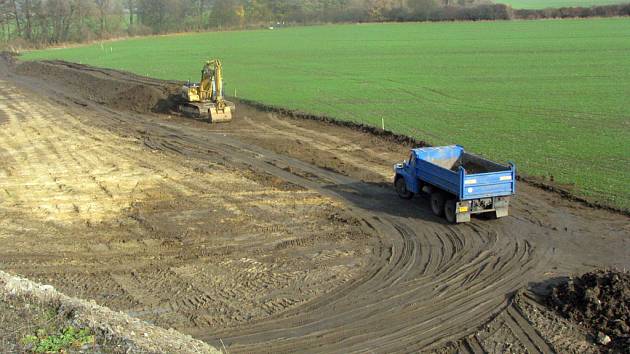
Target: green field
x,y
551,95
541,4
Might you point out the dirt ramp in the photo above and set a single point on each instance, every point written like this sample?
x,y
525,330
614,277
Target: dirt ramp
x,y
108,87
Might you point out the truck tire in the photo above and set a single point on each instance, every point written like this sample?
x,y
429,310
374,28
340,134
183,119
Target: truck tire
x,y
401,188
449,211
437,203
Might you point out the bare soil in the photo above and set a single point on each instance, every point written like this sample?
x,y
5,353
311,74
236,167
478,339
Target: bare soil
x,y
268,233
600,301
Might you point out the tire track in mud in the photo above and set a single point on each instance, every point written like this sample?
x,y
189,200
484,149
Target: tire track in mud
x,y
430,286
337,149
67,161
432,283
532,341
516,330
426,284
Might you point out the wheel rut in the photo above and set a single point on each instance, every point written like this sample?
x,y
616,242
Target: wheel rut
x,y
423,283
432,283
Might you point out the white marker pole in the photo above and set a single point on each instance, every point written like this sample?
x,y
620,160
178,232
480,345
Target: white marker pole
x,y
383,123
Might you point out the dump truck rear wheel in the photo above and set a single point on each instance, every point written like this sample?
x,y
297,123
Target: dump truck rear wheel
x,y
401,189
449,210
437,203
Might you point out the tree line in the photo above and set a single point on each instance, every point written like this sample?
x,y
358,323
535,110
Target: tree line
x,y
27,23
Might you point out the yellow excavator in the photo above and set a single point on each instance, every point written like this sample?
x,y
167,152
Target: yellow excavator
x,y
205,99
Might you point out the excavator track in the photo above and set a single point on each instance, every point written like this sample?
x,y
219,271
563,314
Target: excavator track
x,y
207,110
194,110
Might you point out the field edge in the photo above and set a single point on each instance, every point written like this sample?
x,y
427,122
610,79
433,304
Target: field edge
x,y
412,142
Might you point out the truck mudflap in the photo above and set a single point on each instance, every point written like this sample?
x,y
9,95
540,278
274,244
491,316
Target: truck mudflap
x,y
465,208
501,205
462,211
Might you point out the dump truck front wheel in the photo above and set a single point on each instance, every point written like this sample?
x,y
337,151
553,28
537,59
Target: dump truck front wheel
x,y
401,188
437,203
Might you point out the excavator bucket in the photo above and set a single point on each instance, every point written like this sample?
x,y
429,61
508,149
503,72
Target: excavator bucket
x,y
218,115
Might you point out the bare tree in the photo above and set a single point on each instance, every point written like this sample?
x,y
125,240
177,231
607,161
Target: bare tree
x,y
28,28
103,7
16,16
130,6
224,13
201,4
4,21
161,15
60,14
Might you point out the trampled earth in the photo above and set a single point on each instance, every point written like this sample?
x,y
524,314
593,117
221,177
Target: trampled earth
x,y
270,233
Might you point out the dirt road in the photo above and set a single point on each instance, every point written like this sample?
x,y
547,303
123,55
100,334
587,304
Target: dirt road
x,y
270,234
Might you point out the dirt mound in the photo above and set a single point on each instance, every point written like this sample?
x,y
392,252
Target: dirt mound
x,y
139,98
103,86
600,301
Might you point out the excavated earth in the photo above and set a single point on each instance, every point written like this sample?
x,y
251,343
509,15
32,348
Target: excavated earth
x,y
601,301
270,233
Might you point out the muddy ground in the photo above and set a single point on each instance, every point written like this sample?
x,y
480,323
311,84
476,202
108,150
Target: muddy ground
x,y
269,233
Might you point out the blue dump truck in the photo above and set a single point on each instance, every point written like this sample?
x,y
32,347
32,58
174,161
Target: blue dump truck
x,y
459,183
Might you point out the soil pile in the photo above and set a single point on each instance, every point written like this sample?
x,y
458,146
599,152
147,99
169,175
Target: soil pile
x,y
107,87
600,301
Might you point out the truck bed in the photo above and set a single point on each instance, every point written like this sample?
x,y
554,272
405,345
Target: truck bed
x,y
465,175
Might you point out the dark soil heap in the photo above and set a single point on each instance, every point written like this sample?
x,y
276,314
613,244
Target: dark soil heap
x,y
599,301
104,86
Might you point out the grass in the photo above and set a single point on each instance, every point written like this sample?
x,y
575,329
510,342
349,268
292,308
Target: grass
x,y
541,4
550,95
38,328
54,343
